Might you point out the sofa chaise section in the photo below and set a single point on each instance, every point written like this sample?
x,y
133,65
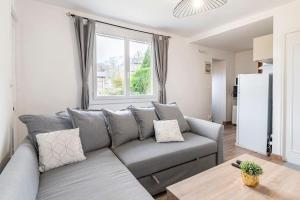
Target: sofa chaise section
x,y
102,176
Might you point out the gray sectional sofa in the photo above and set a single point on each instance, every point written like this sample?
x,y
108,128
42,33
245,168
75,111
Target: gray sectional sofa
x,y
132,171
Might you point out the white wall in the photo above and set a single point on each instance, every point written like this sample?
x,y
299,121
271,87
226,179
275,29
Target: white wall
x,y
46,66
219,91
244,63
48,72
6,113
187,82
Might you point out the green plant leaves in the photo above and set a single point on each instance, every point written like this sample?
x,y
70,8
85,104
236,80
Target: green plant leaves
x,y
251,168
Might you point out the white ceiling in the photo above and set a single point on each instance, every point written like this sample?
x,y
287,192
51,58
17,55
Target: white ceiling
x,y
240,38
158,13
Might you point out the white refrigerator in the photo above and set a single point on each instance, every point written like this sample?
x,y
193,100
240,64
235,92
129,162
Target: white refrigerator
x,y
254,112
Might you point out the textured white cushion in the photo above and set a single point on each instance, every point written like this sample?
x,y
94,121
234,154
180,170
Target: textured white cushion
x,y
167,131
59,148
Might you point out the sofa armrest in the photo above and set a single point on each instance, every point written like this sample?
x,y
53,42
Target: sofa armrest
x,y
210,130
20,178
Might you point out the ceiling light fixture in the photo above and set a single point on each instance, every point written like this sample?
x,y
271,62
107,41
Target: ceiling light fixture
x,y
192,7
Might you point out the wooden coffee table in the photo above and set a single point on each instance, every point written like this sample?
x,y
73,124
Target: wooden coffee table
x,y
224,182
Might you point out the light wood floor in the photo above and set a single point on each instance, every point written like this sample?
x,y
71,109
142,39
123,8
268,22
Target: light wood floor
x,y
231,151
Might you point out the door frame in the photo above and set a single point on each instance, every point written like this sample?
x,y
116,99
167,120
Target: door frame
x,y
288,103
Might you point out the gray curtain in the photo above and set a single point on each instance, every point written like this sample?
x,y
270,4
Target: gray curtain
x,y
161,46
85,36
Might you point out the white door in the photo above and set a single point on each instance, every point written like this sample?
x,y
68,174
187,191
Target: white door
x,y
293,98
218,91
253,112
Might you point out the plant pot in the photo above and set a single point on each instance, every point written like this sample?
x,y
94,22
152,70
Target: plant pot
x,y
251,181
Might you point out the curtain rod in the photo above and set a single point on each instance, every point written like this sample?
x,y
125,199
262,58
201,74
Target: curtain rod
x,y
102,22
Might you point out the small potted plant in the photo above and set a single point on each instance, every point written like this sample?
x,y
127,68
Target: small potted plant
x,y
250,173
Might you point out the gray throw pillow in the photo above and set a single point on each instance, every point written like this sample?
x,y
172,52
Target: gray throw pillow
x,y
144,118
93,130
171,112
44,124
121,126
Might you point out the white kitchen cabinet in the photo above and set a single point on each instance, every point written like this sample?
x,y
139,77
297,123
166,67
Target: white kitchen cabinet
x,y
263,49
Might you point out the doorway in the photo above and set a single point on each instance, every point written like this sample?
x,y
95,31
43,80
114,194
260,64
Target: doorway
x,y
218,91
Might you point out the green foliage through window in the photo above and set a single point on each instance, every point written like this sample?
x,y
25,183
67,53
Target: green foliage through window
x,y
140,80
118,85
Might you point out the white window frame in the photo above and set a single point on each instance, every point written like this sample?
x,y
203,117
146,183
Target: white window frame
x,y
127,36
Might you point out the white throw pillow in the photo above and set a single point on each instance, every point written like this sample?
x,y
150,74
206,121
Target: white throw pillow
x,y
59,148
167,131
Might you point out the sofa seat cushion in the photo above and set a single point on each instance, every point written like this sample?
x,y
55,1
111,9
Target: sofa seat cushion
x,y
148,157
101,176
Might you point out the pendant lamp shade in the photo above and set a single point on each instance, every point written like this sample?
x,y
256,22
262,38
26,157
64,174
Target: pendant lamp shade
x,y
192,7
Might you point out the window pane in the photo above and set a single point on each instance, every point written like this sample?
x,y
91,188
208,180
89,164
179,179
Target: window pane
x,y
140,68
110,66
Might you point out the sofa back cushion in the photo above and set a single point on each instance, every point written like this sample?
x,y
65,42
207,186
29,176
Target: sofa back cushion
x,y
93,129
121,126
20,178
44,124
144,118
171,112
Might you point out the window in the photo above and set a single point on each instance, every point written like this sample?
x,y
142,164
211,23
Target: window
x,y
110,66
123,66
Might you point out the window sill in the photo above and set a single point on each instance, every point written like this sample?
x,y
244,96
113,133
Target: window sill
x,y
121,100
